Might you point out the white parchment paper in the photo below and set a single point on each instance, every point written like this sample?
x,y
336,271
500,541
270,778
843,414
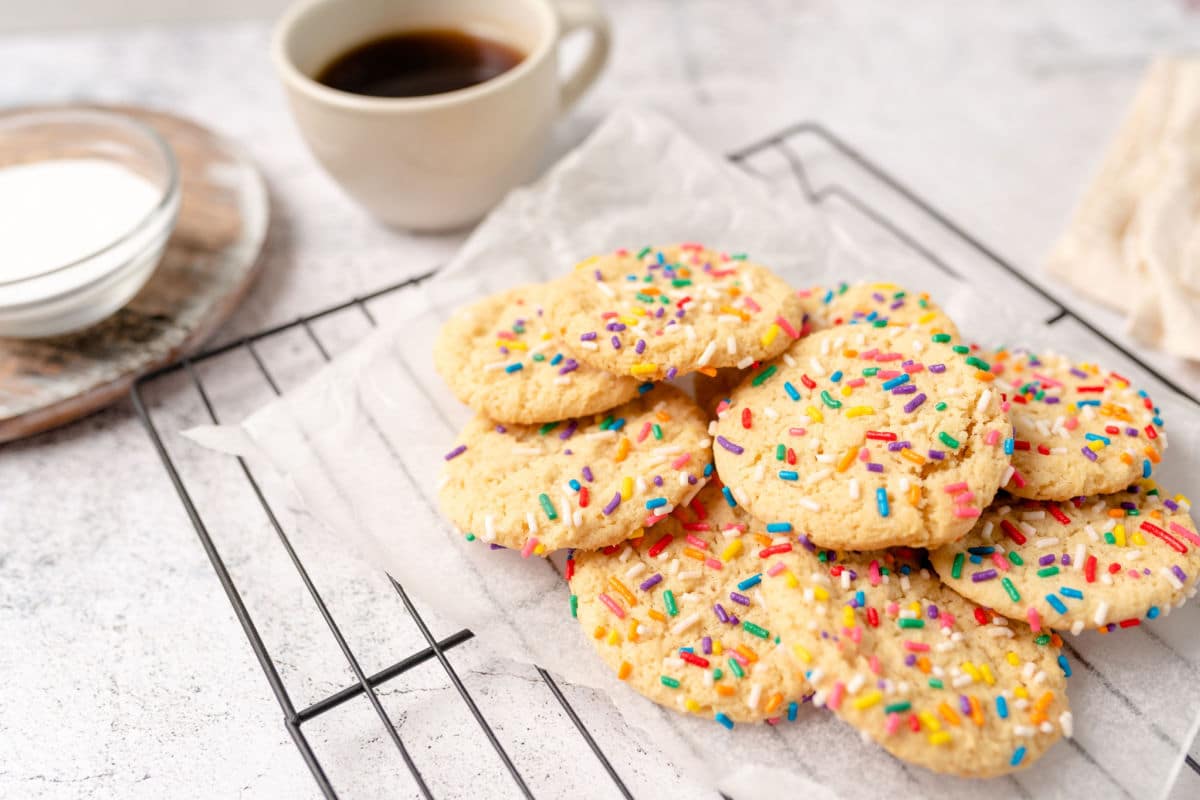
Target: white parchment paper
x,y
363,441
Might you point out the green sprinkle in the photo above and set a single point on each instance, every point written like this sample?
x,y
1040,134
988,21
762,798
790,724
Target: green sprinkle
x,y
645,298
940,406
642,253
941,338
1042,640
736,668
961,349
879,323
718,674
956,570
667,680
679,283
539,356
738,256
936,683
1109,538
547,506
870,372
549,426
762,376
780,452
1013,594
897,708
470,537
948,440
828,400
978,363
1047,572
906,622
606,423
1015,558
755,630
574,605
657,430
823,556
669,599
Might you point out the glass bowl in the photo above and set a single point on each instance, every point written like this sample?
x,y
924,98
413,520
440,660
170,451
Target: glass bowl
x,y
72,295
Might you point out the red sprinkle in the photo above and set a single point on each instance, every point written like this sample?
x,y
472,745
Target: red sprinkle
x,y
692,658
1011,531
881,436
1151,433
1020,444
775,550
660,545
1058,514
1114,568
981,616
1171,541
746,419
872,617
808,382
583,497
1129,623
1089,569
570,572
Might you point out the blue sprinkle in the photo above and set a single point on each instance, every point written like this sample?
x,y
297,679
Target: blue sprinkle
x,y
517,367
1018,756
1095,437
1152,613
724,719
657,502
1087,402
645,387
894,382
860,598
1157,421
1058,605
708,470
1146,468
779,527
835,377
558,357
788,475
753,580
793,709
981,550
728,497
1064,665
574,484
881,501
1001,707
791,390
618,425
976,558
1075,594
1009,446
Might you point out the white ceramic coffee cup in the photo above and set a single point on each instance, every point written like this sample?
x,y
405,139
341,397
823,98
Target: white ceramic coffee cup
x,y
440,161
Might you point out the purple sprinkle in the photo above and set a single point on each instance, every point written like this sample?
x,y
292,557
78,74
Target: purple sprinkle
x,y
906,388
658,480
932,612
568,452
937,369
568,431
1171,504
651,582
897,304
964,703
1131,431
615,326
877,297
983,575
570,365
1046,560
494,546
1065,560
671,373
910,659
587,474
1179,573
1087,451
599,277
739,598
1078,373
733,619
616,343
503,350
640,347
873,467
853,602
804,540
1145,570
587,337
915,403
897,446
736,449
937,455
456,452
612,504
720,612
691,479
1051,399
501,429
1129,506
706,645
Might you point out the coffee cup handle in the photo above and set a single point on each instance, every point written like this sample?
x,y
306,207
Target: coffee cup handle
x,y
577,15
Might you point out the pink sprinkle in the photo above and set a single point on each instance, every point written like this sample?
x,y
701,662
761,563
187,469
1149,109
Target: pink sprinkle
x,y
1071,423
887,374
1006,406
1000,561
679,462
992,437
835,695
644,433
714,563
966,512
854,384
1179,530
622,252
509,335
735,526
1017,480
787,328
753,306
870,354
915,647
776,568
696,541
530,544
914,368
874,664
612,605
1035,622
864,455
946,618
964,497
955,488
855,634
873,573
722,407
889,357
797,431
738,657
893,609
653,519
1133,573
893,722
1046,379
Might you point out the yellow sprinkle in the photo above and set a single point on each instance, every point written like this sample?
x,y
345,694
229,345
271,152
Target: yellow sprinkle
x,y
642,369
915,607
586,262
1095,445
988,677
860,411
1013,658
1119,534
540,549
625,670
547,336
814,414
622,452
867,700
848,617
912,455
626,487
770,335
791,580
929,721
1021,692
512,345
820,593
731,550
614,637
846,390
802,654
1137,539
718,648
941,737
928,316
692,706
969,668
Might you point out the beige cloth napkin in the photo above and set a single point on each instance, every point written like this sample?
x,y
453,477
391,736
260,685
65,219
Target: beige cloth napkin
x,y
1134,240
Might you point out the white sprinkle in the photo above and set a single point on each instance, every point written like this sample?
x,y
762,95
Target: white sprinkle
x,y
489,528
604,287
1033,515
685,623
1009,471
531,521
565,512
853,486
787,359
819,475
816,365
755,696
589,345
1077,627
984,400
707,355
1080,555
811,505
691,333
1171,578
731,345
1101,616
745,362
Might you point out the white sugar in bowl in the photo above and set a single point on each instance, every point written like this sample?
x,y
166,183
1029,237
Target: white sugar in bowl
x,y
88,200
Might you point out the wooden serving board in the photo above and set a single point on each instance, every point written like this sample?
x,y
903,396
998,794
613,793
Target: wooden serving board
x,y
209,263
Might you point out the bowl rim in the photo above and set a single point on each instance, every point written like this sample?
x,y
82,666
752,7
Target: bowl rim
x,y
168,199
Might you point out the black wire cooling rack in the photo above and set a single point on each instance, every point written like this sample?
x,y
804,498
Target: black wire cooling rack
x,y
782,145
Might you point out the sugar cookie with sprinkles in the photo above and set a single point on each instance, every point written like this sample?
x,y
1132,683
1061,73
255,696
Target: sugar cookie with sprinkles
x,y
499,356
866,437
583,483
1094,562
678,614
935,679
1079,429
656,313
884,304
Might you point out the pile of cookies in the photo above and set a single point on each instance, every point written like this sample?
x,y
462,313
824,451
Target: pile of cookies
x,y
851,508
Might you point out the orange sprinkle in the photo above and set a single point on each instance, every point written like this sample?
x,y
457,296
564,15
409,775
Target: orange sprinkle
x,y
847,459
980,375
912,455
850,353
976,710
622,590
924,665
750,655
622,449
775,702
949,714
632,633
625,670
763,539
663,416
599,632
1126,458
1153,455
656,615
725,690
1116,513
914,495
692,552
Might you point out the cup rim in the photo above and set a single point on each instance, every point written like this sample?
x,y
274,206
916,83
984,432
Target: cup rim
x,y
292,75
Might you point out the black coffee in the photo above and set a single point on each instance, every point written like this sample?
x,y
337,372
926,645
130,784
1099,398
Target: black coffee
x,y
418,63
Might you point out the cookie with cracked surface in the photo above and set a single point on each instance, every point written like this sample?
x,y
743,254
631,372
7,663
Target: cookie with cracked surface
x,y
661,312
500,357
678,615
866,437
578,483
935,679
1093,562
884,304
1079,429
